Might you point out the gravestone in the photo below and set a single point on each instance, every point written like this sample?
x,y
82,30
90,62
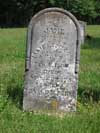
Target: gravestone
x,y
82,31
52,61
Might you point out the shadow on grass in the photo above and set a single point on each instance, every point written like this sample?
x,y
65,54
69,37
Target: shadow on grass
x,y
92,43
15,94
88,94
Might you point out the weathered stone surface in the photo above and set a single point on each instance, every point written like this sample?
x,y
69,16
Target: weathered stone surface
x,y
82,31
52,61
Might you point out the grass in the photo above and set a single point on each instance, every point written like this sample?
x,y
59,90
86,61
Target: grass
x,y
14,120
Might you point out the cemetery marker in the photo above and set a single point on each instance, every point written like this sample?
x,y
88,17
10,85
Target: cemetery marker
x,y
52,61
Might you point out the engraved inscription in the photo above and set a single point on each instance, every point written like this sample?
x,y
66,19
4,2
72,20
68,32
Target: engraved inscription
x,y
55,30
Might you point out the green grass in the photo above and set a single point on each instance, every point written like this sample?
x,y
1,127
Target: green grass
x,y
14,120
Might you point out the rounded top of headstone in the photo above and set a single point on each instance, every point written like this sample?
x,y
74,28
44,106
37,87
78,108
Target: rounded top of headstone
x,y
55,9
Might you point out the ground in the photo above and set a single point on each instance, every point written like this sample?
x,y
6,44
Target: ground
x,y
12,117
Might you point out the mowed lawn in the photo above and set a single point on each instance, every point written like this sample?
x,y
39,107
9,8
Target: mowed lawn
x,y
12,117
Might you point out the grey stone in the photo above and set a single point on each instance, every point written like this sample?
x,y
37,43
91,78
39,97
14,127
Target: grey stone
x,y
82,31
52,61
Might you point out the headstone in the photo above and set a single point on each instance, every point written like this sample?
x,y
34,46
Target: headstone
x,y
82,31
52,61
